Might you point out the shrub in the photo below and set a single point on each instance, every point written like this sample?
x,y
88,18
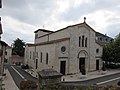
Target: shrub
x,y
27,85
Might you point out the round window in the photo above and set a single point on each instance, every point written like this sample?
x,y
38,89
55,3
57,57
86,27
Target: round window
x,y
63,48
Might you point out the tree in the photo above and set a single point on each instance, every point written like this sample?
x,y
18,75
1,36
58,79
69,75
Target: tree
x,y
18,47
117,49
111,51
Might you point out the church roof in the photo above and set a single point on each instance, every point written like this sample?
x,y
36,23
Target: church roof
x,y
3,43
8,47
44,30
79,24
48,42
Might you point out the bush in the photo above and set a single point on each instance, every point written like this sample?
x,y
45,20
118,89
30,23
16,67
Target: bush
x,y
28,85
65,87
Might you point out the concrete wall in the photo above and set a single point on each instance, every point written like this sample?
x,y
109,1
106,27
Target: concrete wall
x,y
41,33
42,39
44,49
75,33
59,35
62,56
76,52
54,36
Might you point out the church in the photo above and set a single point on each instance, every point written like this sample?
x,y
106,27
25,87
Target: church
x,y
73,49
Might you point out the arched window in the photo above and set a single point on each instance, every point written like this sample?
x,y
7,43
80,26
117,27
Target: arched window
x,y
85,42
79,41
41,57
46,58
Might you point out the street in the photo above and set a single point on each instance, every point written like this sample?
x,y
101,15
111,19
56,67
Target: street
x,y
18,74
101,81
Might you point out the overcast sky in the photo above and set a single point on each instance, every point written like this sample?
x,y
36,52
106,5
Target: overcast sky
x,y
20,18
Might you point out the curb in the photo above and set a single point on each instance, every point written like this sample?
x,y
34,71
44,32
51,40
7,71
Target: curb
x,y
83,79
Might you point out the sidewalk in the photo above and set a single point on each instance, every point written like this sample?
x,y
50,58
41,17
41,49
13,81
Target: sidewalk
x,y
89,75
79,76
8,82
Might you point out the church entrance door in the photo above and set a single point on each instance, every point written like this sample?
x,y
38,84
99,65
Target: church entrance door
x,y
62,67
82,65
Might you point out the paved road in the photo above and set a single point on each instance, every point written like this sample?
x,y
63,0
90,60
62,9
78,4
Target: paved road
x,y
18,74
101,81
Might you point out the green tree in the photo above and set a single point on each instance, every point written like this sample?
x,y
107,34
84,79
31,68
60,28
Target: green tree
x,y
117,49
18,47
111,51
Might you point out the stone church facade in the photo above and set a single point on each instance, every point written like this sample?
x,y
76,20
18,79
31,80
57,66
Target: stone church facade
x,y
69,50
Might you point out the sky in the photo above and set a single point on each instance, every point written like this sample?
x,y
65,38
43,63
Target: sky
x,y
20,18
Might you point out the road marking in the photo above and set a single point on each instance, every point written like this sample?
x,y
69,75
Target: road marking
x,y
107,81
18,73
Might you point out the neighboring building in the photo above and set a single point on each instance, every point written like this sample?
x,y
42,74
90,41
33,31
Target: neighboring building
x,y
8,54
16,59
2,56
3,46
69,50
12,59
102,39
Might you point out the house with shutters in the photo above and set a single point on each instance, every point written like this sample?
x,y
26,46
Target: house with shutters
x,y
70,50
3,46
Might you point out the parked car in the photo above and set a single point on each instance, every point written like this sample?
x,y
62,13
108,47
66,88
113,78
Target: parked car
x,y
25,66
18,63
112,65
